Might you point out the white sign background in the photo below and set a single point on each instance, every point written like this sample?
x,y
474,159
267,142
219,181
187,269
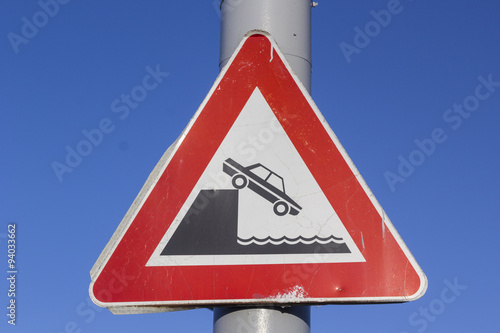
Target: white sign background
x,y
258,137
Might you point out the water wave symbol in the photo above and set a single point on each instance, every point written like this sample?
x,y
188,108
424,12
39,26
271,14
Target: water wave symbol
x,y
290,241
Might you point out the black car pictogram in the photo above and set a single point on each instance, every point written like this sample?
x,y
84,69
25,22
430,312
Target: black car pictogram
x,y
264,182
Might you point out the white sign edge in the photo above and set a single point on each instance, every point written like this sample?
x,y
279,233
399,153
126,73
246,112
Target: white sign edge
x,y
128,307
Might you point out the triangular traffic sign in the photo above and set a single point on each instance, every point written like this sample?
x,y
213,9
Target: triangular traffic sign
x,y
257,202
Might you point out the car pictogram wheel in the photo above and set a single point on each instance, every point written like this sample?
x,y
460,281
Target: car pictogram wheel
x,y
280,208
239,181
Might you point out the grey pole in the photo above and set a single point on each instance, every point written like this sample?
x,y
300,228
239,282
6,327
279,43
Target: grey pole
x,y
296,319
289,22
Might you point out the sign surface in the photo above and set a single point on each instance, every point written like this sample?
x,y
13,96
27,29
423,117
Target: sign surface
x,y
257,202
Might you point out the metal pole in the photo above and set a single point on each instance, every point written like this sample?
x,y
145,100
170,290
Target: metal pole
x,y
294,319
289,22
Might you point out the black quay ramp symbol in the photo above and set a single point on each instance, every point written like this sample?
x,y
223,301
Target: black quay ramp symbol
x,y
210,226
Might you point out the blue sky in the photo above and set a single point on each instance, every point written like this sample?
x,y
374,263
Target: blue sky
x,y
416,107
